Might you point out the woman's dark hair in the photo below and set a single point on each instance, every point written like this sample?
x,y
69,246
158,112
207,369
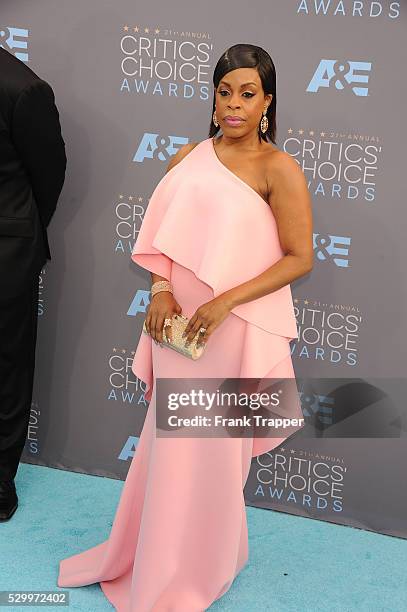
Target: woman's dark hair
x,y
249,56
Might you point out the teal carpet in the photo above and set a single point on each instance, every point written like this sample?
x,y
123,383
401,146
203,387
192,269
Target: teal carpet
x,y
294,564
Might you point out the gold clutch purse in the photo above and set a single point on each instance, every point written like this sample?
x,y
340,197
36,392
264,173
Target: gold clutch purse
x,y
178,325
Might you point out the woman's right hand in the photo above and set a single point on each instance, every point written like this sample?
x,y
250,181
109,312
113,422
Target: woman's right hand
x,y
162,306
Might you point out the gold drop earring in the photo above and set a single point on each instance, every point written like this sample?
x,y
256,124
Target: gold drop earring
x,y
214,119
264,123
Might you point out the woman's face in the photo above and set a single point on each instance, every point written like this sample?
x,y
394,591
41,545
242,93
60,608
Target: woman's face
x,y
240,94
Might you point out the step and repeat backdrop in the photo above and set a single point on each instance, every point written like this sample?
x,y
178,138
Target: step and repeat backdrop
x,y
133,82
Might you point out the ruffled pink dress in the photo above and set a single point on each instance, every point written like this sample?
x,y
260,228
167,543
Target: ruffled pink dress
x,y
179,536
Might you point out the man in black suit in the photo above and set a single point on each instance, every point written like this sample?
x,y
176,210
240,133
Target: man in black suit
x,y
32,173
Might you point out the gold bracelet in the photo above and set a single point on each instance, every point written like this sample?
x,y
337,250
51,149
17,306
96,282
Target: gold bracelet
x,y
162,285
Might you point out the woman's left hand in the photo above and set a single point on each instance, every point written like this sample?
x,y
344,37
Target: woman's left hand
x,y
208,315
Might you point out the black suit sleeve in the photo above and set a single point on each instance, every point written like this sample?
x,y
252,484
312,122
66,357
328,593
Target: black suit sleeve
x,y
36,134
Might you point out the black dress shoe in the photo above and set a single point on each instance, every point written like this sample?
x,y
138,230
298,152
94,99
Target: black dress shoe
x,y
8,499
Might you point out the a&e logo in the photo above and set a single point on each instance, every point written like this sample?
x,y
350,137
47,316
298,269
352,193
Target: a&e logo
x,y
341,75
152,147
10,39
317,407
332,248
139,303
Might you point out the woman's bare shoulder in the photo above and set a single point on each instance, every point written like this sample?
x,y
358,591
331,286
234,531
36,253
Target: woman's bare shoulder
x,y
180,154
281,166
277,158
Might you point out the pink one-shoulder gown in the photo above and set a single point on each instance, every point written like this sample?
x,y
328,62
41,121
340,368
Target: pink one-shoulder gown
x,y
179,535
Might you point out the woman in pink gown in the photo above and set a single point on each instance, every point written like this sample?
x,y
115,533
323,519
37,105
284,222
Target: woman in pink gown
x,y
179,536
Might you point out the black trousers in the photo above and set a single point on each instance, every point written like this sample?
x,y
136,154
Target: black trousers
x,y
18,337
